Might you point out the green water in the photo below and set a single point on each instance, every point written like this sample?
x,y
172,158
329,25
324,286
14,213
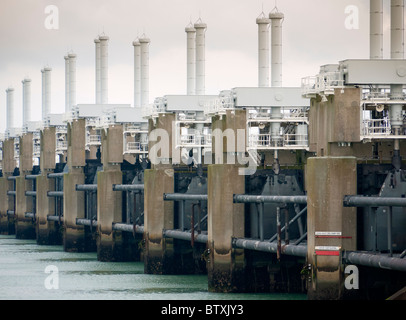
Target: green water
x,y
81,277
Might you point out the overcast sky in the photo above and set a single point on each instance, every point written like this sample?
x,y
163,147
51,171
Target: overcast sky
x,y
314,33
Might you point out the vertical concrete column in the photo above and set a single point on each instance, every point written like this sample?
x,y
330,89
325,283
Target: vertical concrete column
x,y
25,227
48,232
225,222
226,219
328,180
6,201
74,239
109,203
159,214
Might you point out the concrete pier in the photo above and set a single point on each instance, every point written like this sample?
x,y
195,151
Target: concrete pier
x,y
47,232
158,214
331,227
109,203
7,202
76,238
24,227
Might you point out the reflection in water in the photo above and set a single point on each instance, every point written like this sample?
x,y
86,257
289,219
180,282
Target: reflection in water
x,y
81,276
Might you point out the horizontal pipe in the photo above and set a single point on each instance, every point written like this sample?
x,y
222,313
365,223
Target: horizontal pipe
x,y
30,215
271,247
128,227
361,201
375,260
56,175
86,222
55,193
243,198
184,196
127,187
86,187
10,212
31,176
185,235
31,193
11,193
11,177
54,218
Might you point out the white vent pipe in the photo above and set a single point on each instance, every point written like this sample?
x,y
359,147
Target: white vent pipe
x,y
26,100
67,104
10,108
72,80
397,29
376,29
200,56
276,53
104,66
97,74
263,50
144,71
137,73
46,92
191,59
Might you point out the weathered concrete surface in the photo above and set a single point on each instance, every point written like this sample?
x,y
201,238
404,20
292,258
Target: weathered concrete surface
x,y
6,203
158,215
225,222
24,227
328,180
47,232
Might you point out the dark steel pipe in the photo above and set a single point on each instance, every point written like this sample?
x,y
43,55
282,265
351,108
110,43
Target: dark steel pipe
x,y
31,193
11,177
375,260
31,176
86,187
243,198
56,175
55,193
30,215
54,218
10,212
361,201
128,227
86,222
185,235
127,187
184,196
272,247
11,193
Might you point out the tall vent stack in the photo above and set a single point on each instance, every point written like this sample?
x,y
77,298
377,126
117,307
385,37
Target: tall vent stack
x,y
144,70
137,73
97,74
46,92
191,59
200,56
67,104
104,68
26,100
10,108
72,80
276,51
376,29
263,50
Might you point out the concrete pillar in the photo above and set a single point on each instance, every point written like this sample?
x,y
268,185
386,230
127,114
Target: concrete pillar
x,y
328,180
75,237
158,215
6,201
109,203
225,222
25,227
48,232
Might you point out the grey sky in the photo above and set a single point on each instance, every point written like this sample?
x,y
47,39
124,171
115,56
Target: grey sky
x,y
313,34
